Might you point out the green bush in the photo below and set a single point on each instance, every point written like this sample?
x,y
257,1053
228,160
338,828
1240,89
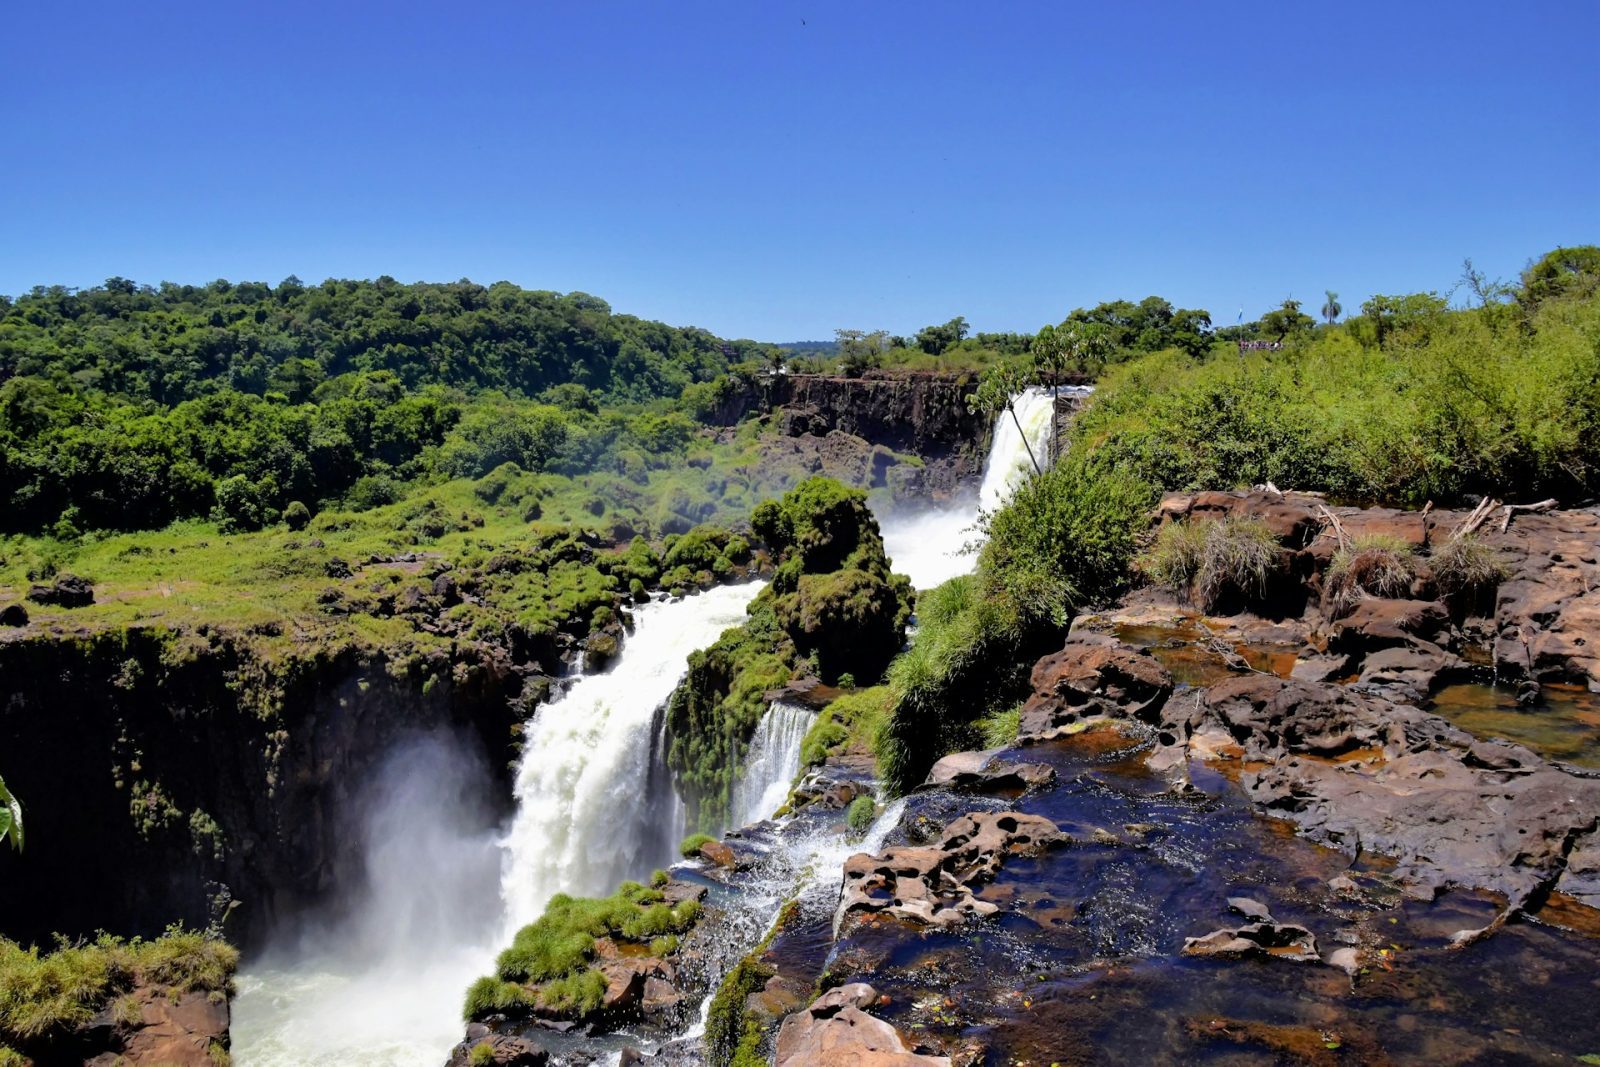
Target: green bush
x,y
296,515
858,817
689,847
43,996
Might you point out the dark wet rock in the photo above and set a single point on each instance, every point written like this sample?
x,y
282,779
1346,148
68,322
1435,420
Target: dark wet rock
x,y
934,885
1411,671
1325,667
1377,623
13,615
1092,675
1261,936
836,1031
839,780
337,568
65,591
985,772
1581,878
1292,517
505,1050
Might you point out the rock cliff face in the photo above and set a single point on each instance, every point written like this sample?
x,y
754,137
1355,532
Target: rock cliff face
x,y
848,428
168,776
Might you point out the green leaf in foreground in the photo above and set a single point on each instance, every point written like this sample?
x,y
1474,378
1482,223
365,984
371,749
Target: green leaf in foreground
x,y
10,816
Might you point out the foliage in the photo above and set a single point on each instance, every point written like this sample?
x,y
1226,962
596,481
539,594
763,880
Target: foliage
x,y
1239,556
1449,404
1371,566
833,608
1065,539
1562,272
45,996
999,730
690,846
10,817
548,961
1173,558
858,817
850,723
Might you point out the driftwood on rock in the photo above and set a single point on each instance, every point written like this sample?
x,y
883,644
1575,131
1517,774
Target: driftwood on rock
x,y
1510,509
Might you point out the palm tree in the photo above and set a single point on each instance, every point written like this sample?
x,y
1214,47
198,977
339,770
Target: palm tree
x,y
1050,355
1332,310
997,391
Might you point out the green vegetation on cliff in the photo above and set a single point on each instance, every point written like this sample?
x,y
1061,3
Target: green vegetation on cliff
x,y
45,997
832,609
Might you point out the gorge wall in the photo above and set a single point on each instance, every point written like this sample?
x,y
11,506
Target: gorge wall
x,y
168,775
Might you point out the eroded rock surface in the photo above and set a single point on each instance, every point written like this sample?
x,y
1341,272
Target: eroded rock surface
x,y
836,1031
985,772
1092,675
934,885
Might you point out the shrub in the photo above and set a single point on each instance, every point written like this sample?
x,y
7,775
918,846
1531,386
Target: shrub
x,y
1173,559
858,817
689,847
296,515
482,1054
1238,557
1065,539
1467,566
1372,566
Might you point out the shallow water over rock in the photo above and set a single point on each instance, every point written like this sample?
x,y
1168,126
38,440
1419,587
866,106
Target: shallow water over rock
x,y
1562,724
1084,963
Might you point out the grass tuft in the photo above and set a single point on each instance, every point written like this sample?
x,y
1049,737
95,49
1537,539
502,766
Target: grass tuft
x,y
1371,566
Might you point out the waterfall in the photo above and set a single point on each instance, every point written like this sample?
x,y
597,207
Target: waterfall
x,y
772,762
380,984
928,545
1009,464
589,812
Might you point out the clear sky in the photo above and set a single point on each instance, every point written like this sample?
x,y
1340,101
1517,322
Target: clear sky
x,y
778,169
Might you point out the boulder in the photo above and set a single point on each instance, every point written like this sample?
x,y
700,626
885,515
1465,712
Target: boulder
x,y
66,591
505,1050
986,773
173,1031
1411,671
1379,623
836,1031
1092,675
13,615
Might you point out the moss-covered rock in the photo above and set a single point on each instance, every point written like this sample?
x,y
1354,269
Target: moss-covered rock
x,y
833,608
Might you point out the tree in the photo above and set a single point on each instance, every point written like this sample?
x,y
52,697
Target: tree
x,y
1285,319
10,817
1487,290
1332,309
997,391
859,350
1050,356
1562,272
1411,311
935,339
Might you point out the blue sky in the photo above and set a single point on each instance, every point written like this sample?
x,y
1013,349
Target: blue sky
x,y
778,169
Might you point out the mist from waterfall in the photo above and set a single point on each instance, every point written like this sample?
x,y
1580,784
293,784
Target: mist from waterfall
x,y
379,983
589,811
772,762
928,545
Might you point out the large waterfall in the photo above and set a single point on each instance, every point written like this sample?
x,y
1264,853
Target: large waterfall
x,y
772,762
928,545
382,985
589,812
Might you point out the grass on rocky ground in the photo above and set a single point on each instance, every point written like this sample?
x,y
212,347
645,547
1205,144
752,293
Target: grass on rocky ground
x,y
548,962
45,995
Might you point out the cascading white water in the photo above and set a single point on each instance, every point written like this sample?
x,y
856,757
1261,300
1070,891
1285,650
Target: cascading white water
x,y
772,762
383,985
928,546
585,817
